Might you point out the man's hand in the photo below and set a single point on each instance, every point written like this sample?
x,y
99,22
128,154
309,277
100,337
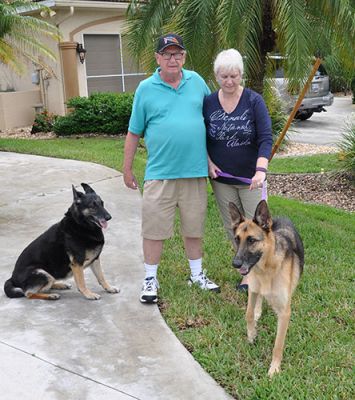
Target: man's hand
x,y
130,149
130,180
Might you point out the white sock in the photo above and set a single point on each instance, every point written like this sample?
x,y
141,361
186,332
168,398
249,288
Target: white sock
x,y
151,270
195,266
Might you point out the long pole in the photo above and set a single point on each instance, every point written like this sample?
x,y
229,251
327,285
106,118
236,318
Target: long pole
x,y
295,108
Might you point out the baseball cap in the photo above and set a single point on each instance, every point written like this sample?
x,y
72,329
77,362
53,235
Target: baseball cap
x,y
170,39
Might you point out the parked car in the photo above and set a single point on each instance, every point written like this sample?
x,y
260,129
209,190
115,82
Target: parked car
x,y
317,96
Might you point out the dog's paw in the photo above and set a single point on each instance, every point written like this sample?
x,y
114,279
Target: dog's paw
x,y
92,296
53,296
257,315
252,336
112,289
274,369
61,285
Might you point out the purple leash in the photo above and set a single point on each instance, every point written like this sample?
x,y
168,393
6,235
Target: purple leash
x,y
245,180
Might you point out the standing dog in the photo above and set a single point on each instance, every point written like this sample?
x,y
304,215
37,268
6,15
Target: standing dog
x,y
271,252
66,248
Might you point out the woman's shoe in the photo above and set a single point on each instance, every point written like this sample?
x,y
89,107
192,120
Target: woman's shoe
x,y
242,287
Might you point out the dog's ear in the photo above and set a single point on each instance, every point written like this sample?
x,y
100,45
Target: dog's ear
x,y
236,215
262,216
87,188
76,194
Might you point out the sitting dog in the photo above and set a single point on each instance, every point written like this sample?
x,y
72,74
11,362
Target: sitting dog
x,y
271,252
66,248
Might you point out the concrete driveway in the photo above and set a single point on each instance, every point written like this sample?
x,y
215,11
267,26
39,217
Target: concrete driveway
x,y
114,348
324,128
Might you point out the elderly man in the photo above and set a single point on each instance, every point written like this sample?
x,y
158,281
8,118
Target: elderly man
x,y
167,109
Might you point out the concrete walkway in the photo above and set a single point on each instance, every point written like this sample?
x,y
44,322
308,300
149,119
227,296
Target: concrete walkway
x,y
73,348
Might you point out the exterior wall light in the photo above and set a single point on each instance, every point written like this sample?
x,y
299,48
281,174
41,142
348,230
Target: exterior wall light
x,y
81,52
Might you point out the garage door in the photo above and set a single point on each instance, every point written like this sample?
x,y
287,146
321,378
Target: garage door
x,y
109,67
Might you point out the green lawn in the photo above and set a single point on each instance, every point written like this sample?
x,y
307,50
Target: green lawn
x,y
302,164
318,357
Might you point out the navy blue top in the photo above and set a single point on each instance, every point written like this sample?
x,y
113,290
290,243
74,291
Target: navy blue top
x,y
236,140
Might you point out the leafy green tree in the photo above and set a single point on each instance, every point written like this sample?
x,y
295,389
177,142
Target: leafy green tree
x,y
296,29
20,32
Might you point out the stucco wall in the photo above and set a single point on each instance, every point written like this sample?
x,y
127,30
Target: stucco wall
x,y
73,23
17,108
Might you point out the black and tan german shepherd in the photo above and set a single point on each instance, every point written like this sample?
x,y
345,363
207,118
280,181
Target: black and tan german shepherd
x,y
271,252
66,248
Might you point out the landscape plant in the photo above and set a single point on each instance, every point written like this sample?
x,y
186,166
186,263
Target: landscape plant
x,y
43,122
20,33
296,29
106,113
347,149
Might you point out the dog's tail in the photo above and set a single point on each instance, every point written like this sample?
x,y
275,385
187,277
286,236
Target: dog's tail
x,y
12,291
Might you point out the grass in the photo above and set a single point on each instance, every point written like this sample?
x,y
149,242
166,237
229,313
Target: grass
x,y
304,164
318,354
107,151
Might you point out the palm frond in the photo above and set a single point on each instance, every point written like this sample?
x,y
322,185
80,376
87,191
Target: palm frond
x,y
144,24
231,17
20,34
294,39
9,57
194,20
208,26
252,27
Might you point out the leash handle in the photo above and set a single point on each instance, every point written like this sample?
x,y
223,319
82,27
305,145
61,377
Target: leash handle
x,y
244,180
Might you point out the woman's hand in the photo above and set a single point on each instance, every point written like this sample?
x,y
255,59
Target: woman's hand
x,y
257,180
212,169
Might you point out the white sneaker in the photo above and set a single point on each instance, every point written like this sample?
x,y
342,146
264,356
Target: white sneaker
x,y
203,282
149,290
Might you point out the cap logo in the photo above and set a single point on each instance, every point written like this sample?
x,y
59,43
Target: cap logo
x,y
170,39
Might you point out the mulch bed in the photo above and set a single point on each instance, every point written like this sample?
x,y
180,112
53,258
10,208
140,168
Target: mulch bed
x,y
335,190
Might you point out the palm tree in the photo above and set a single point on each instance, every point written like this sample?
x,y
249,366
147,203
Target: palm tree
x,y
293,28
19,33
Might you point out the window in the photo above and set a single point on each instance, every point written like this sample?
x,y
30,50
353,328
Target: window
x,y
109,66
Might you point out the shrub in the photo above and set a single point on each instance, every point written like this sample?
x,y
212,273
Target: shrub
x,y
43,122
276,112
106,113
65,126
353,89
347,148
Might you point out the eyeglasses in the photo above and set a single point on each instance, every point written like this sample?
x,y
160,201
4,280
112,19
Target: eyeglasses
x,y
167,56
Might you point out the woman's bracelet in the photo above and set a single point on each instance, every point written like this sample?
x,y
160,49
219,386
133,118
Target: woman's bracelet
x,y
261,169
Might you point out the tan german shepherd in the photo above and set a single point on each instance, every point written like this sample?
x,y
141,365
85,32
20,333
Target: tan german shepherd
x,y
271,252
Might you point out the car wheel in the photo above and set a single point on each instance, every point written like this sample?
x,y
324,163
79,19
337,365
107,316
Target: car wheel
x,y
304,115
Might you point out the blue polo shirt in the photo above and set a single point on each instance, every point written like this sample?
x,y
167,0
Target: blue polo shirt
x,y
173,126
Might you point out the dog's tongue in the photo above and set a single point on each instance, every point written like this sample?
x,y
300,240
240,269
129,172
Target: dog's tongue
x,y
103,223
243,270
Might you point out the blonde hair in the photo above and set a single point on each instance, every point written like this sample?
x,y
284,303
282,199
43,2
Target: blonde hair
x,y
229,60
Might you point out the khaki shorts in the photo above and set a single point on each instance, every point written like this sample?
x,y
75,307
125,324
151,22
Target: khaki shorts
x,y
160,200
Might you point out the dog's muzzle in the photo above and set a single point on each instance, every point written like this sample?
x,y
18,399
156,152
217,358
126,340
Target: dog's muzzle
x,y
237,262
102,222
242,267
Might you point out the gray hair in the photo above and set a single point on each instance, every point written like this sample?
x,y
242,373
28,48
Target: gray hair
x,y
229,60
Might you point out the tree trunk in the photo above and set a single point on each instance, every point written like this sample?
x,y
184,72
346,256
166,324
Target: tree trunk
x,y
267,43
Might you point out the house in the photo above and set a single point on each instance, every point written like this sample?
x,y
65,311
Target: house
x,y
92,56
